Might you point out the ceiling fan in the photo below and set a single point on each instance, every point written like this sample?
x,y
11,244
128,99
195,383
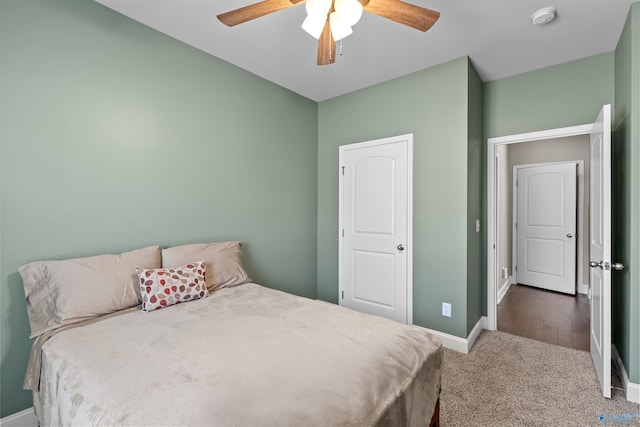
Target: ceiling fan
x,y
331,20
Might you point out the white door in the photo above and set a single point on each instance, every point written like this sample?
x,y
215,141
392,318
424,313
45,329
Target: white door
x,y
546,226
600,247
375,221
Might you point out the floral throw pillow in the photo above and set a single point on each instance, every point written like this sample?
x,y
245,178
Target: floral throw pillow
x,y
162,287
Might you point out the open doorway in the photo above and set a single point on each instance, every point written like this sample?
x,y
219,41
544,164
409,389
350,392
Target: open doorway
x,y
599,234
531,311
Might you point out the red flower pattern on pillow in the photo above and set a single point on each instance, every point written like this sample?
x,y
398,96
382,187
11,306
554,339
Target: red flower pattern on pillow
x,y
162,287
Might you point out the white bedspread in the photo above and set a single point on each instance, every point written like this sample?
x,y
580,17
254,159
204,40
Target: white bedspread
x,y
245,356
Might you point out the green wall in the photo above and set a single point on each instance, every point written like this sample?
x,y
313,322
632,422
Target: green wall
x,y
563,95
476,162
626,196
115,136
433,105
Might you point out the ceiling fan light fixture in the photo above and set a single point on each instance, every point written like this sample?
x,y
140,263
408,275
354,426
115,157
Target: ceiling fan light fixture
x,y
345,14
318,7
350,11
314,24
339,28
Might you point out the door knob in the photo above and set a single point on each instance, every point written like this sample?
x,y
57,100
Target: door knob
x,y
400,247
617,266
569,235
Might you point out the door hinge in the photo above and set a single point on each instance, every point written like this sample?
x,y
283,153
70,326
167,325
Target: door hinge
x,y
516,225
342,294
516,269
342,170
343,232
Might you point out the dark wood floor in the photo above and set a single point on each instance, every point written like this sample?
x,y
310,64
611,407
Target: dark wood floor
x,y
546,316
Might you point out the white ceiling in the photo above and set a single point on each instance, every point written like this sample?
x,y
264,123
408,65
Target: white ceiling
x,y
496,34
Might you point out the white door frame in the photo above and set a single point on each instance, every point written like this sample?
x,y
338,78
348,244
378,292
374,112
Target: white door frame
x,y
409,241
580,285
491,202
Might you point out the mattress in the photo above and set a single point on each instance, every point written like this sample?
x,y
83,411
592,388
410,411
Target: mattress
x,y
244,356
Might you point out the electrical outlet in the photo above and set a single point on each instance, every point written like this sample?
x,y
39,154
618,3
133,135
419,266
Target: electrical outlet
x,y
477,225
446,309
505,273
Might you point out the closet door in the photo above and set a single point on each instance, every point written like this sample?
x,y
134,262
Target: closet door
x,y
375,222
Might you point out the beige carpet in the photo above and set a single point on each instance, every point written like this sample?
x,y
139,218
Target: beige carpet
x,y
508,380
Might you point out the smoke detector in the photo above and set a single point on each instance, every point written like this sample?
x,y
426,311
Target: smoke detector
x,y
543,16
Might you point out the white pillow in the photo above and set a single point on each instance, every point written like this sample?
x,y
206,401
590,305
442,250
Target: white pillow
x,y
223,261
69,291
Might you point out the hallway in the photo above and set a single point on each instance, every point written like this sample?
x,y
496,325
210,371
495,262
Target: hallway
x,y
545,316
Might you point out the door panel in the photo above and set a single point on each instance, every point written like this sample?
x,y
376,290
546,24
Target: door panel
x,y
374,192
373,271
545,198
546,226
600,247
374,248
545,256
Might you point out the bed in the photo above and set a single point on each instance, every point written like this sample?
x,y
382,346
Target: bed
x,y
245,355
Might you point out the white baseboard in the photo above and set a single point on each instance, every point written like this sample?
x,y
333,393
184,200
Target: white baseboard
x,y
504,288
632,390
461,345
26,418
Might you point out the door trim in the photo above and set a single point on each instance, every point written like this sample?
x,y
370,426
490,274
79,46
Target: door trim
x,y
409,242
491,200
581,287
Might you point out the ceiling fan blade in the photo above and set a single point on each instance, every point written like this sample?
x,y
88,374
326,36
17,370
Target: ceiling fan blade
x,y
326,46
404,13
253,11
